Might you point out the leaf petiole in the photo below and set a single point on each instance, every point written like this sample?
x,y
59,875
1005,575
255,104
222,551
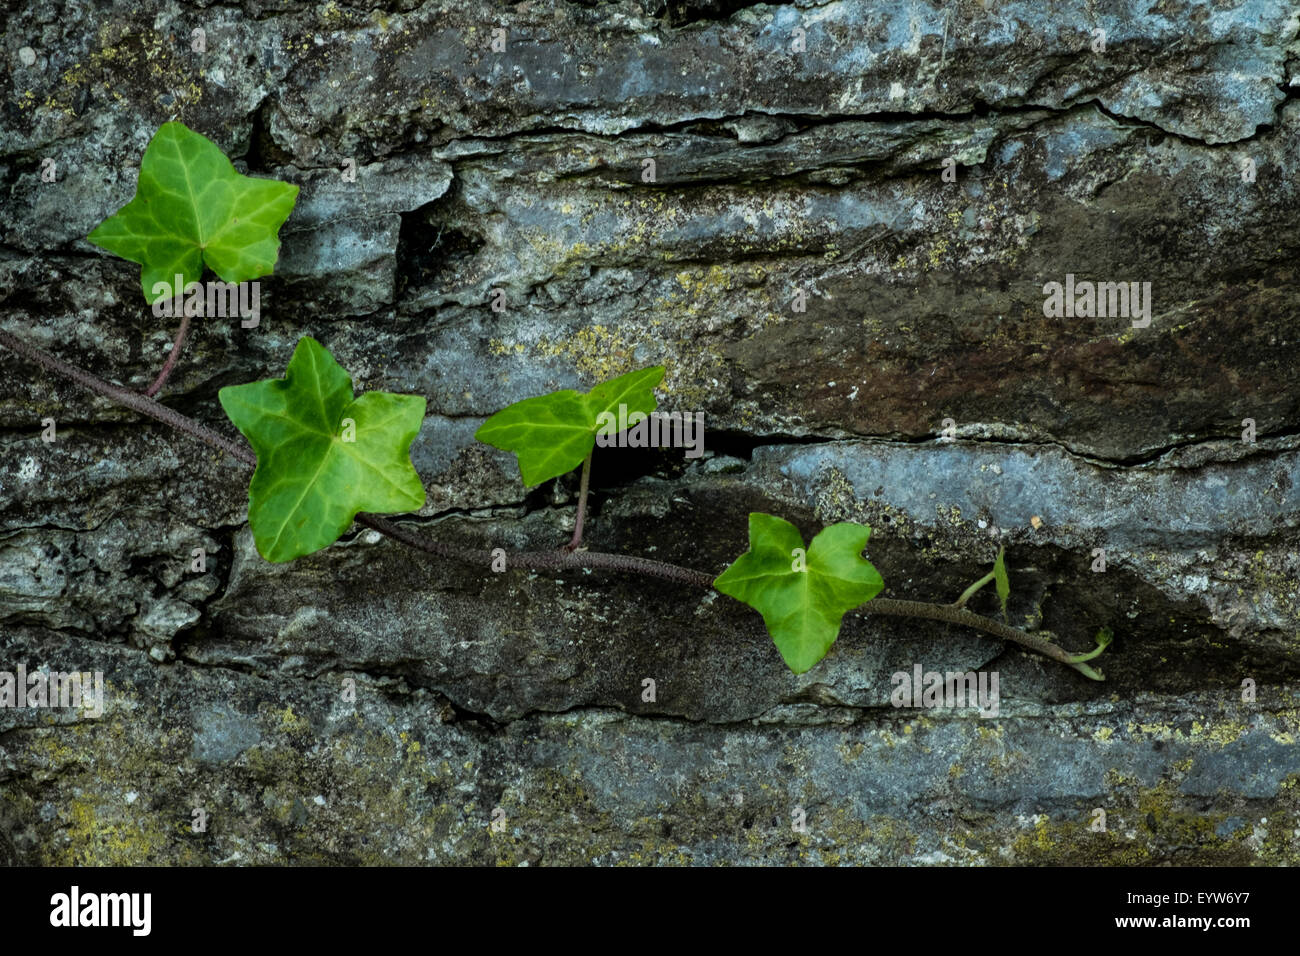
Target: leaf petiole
x,y
970,591
582,505
172,356
1104,637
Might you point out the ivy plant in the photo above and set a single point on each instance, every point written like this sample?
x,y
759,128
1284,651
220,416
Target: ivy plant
x,y
191,209
802,595
324,457
553,434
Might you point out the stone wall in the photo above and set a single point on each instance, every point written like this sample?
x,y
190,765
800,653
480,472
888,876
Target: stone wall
x,y
1168,155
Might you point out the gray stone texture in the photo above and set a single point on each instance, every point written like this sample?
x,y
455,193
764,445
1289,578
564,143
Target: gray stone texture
x,y
777,173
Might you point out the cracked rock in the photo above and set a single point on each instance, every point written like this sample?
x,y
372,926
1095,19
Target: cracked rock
x,y
842,258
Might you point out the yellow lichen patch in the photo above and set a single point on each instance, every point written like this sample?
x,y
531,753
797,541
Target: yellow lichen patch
x,y
148,56
331,15
705,283
598,352
1221,733
1134,833
1273,586
291,723
937,253
851,752
97,835
1161,731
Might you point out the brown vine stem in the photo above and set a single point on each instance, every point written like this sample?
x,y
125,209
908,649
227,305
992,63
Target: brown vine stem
x,y
558,560
170,364
125,396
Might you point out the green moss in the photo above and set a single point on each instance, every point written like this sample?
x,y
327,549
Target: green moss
x,y
1156,827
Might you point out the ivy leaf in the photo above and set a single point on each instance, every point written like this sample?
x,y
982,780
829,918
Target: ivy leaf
x,y
192,208
322,455
803,597
553,434
1001,581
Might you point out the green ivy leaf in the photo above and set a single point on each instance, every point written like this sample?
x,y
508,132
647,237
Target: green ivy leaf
x,y
553,434
190,208
311,480
802,608
1002,582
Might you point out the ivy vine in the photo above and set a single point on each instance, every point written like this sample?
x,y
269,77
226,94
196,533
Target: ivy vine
x,y
324,457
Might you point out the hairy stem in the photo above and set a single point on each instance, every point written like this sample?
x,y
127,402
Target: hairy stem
x,y
582,505
127,397
957,615
170,364
558,560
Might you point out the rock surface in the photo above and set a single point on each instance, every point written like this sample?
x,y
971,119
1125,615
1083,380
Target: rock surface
x,y
841,259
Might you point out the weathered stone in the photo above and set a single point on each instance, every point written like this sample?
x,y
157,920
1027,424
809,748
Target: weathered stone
x,y
819,284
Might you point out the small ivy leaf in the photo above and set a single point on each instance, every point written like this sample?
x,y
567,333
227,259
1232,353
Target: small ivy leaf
x,y
802,609
553,434
1002,582
314,472
191,208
